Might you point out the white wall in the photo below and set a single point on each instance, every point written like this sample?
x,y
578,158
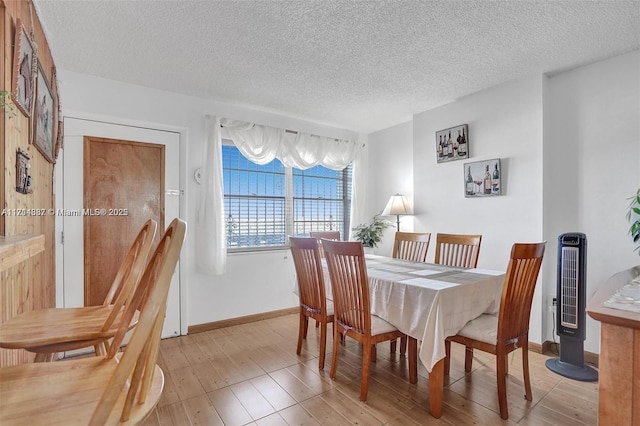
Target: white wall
x,y
391,172
592,167
254,283
570,154
505,122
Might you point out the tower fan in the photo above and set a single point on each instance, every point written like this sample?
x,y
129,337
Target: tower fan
x,y
571,305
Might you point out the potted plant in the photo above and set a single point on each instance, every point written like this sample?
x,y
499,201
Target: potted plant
x,y
370,234
633,216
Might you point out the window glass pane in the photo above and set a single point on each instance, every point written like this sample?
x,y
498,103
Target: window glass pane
x,y
254,197
321,200
255,201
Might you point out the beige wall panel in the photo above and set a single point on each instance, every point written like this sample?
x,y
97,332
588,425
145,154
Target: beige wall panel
x,y
31,284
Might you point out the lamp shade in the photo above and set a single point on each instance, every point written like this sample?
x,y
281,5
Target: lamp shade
x,y
397,205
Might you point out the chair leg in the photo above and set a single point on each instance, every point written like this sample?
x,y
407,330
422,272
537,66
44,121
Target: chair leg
x,y
392,346
502,385
366,364
403,345
374,353
334,359
100,349
447,357
306,326
40,357
468,358
302,328
323,344
317,323
413,360
525,370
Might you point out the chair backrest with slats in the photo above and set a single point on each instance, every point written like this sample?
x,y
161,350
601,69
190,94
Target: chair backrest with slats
x,y
137,364
329,235
349,284
517,291
457,250
132,265
130,272
306,259
411,246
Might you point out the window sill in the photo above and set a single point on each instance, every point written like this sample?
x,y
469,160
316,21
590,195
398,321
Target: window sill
x,y
254,250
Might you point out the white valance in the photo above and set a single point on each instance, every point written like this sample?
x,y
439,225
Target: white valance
x,y
261,144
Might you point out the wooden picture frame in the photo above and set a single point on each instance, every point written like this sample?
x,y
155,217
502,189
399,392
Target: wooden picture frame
x,y
59,139
452,143
482,178
24,70
23,178
45,117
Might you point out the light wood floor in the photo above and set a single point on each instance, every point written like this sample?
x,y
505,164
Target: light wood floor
x,y
250,374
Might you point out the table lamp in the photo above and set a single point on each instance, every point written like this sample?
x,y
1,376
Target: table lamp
x,y
397,206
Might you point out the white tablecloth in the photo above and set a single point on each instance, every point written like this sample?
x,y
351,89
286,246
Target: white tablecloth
x,y
429,302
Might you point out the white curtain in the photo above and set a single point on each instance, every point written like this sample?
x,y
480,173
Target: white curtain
x,y
211,238
261,144
358,188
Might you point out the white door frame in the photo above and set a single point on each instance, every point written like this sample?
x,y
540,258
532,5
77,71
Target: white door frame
x,y
59,197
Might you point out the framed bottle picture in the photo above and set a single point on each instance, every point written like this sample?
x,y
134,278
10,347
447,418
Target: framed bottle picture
x,y
452,144
482,179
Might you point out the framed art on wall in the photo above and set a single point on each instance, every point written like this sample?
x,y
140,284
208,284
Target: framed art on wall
x,y
482,178
452,144
46,119
24,66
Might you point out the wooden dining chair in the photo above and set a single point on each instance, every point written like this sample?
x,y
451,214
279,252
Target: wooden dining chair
x,y
457,250
311,289
48,331
509,330
352,310
411,246
117,388
329,235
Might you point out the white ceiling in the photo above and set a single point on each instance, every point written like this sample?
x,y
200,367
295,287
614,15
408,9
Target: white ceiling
x,y
358,65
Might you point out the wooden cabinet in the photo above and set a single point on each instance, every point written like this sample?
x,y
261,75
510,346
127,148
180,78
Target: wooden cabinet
x,y
17,286
619,387
18,248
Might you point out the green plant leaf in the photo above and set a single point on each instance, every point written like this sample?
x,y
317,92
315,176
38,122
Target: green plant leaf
x,y
371,234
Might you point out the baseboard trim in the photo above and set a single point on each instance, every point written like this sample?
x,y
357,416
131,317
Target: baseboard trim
x,y
199,328
554,348
538,348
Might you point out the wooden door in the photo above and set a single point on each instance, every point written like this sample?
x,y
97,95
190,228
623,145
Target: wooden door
x,y
70,195
123,188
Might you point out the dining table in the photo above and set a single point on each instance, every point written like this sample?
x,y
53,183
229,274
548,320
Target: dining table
x,y
429,302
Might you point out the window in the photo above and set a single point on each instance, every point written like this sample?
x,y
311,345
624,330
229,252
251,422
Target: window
x,y
265,203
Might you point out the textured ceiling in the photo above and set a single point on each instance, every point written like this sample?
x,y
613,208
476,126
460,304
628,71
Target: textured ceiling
x,y
358,65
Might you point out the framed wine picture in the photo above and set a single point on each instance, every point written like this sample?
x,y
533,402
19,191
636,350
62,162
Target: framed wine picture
x,y
482,179
452,143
